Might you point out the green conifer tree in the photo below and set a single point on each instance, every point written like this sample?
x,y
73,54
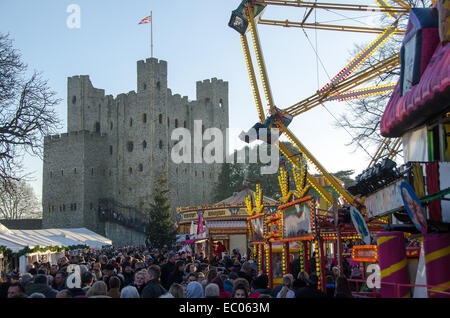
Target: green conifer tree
x,y
161,228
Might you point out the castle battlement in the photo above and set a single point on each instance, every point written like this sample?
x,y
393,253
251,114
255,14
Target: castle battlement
x,y
117,146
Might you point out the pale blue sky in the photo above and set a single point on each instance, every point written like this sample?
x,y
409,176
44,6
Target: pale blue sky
x,y
195,40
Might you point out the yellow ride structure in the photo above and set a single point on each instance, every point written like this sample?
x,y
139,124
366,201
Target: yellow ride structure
x,y
345,85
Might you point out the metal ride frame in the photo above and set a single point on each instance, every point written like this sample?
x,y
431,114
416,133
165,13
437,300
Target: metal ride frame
x,y
343,86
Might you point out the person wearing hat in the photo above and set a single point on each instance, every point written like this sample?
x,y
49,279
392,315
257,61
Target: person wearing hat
x,y
167,269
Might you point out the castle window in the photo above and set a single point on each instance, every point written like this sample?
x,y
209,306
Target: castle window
x,y
97,127
203,174
177,170
160,144
92,171
53,208
168,122
51,174
130,170
144,118
207,100
62,172
74,99
176,123
130,146
184,124
203,129
221,103
75,170
49,208
145,86
158,85
91,206
141,167
131,122
110,149
74,206
144,144
64,207
195,172
160,118
111,126
110,172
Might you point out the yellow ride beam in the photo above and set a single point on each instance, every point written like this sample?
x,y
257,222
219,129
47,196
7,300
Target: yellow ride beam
x,y
345,85
251,74
260,58
336,186
329,27
334,6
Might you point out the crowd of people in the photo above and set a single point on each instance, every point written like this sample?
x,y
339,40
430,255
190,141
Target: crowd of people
x,y
133,272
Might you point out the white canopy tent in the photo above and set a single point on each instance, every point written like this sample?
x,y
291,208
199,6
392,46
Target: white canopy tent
x,y
16,240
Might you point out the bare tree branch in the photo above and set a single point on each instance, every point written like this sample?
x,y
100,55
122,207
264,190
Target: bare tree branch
x,y
27,112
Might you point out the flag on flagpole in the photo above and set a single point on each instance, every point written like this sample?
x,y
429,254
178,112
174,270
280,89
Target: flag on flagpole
x,y
146,20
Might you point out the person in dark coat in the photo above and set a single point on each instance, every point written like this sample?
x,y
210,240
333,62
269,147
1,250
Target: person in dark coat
x,y
177,275
153,289
167,269
246,272
128,274
295,267
40,285
310,291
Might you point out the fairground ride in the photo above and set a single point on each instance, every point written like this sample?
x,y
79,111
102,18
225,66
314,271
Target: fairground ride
x,y
347,84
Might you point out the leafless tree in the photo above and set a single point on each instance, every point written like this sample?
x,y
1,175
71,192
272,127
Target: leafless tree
x,y
18,201
362,117
26,112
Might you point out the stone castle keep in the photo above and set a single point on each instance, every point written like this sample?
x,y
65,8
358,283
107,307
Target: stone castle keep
x,y
116,148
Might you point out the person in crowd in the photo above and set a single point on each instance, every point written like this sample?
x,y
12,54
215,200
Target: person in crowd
x,y
177,275
114,287
212,273
15,290
228,283
194,290
128,274
240,291
301,280
153,288
65,293
342,288
246,271
295,267
286,291
98,290
260,285
139,280
167,269
129,292
177,290
59,282
212,291
40,285
310,291
87,279
222,292
330,286
219,250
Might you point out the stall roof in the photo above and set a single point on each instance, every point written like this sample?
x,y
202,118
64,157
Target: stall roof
x,y
18,239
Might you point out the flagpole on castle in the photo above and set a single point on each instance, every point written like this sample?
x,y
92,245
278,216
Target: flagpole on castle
x,y
151,32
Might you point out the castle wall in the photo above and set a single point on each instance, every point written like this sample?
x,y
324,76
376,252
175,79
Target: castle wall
x,y
120,146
